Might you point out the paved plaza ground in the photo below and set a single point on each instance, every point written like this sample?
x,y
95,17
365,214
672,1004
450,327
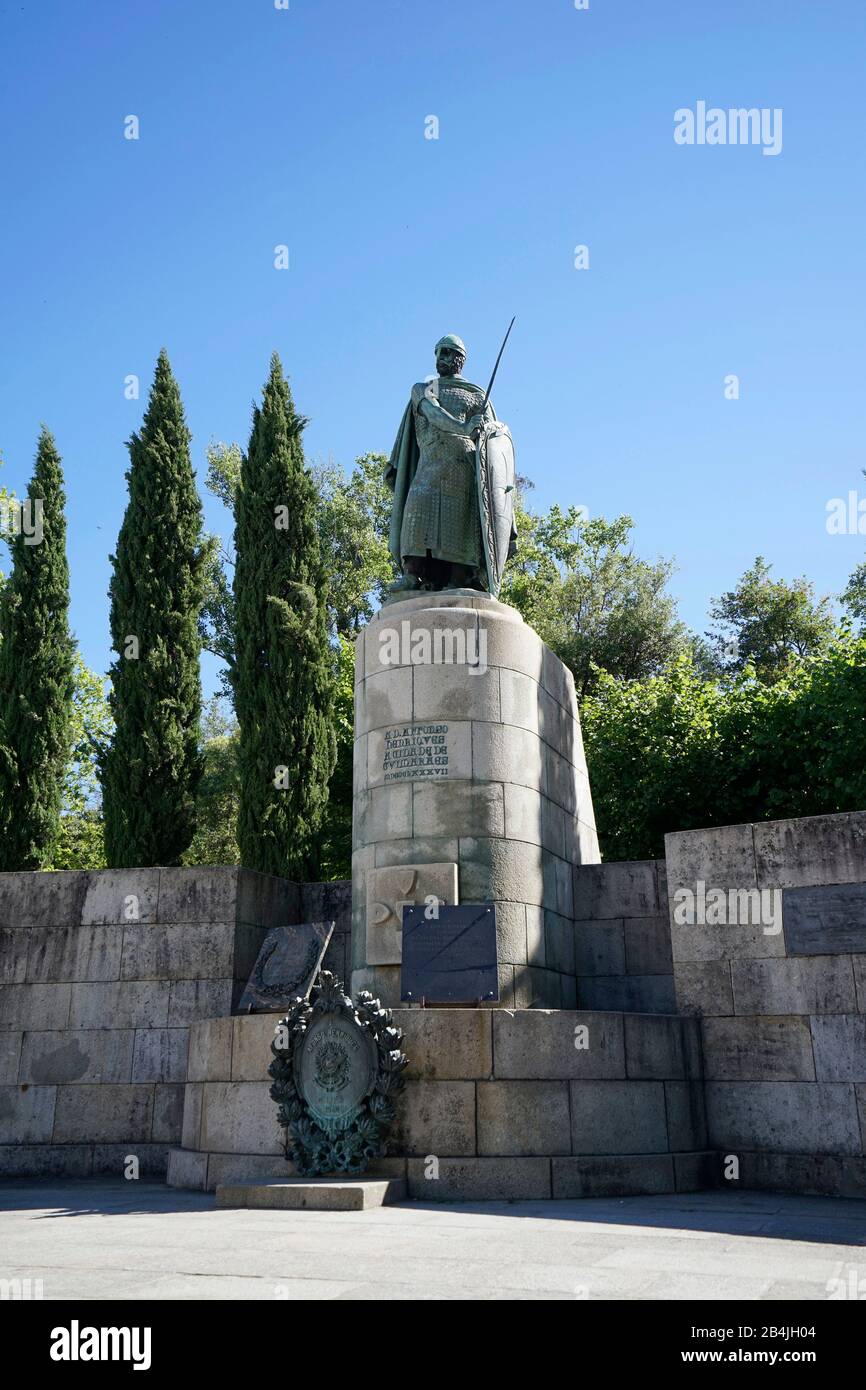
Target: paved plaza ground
x,y
142,1240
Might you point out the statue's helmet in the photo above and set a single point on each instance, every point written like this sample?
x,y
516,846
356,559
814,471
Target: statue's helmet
x,y
452,341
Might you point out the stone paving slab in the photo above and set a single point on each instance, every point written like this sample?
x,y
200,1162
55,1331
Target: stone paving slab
x,y
113,1239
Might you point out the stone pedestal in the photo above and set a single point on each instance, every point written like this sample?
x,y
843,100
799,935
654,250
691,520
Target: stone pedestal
x,y
469,781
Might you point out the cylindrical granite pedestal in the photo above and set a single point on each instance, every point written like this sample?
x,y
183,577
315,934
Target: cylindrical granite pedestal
x,y
470,784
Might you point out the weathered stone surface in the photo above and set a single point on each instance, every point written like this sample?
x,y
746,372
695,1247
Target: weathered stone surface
x,y
704,987
10,1053
388,891
422,849
187,1170
46,1160
251,1048
385,698
119,896
556,878
628,889
383,813
599,947
506,753
14,945
760,1048
535,950
90,1055
12,901
644,994
266,901
74,953
811,850
182,951
332,902
240,1117
825,1175
612,1176
824,921
152,1159
524,814
560,781
501,870
456,693
687,1119
27,1114
523,1117
192,1000
697,1172
479,1179
737,941
317,1194
167,1125
534,1043
103,1114
792,1116
610,1117
521,698
801,985
198,894
840,1047
193,1099
860,982
559,942
511,933
34,1006
123,1004
656,1048
435,1117
53,899
647,946
447,1044
723,857
245,1168
210,1049
160,1054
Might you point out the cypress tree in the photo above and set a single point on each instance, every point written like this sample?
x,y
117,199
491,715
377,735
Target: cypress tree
x,y
151,771
285,669
36,672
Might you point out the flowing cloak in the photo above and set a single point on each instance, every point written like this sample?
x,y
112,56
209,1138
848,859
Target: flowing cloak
x,y
403,465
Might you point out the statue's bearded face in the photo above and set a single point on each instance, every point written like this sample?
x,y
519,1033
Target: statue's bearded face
x,y
449,361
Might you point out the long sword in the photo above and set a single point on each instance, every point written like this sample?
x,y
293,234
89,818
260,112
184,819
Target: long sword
x,y
496,368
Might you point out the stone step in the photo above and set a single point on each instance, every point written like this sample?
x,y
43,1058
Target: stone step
x,y
313,1194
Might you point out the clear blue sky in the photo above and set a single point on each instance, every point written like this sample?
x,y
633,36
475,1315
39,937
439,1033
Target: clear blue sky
x,y
306,127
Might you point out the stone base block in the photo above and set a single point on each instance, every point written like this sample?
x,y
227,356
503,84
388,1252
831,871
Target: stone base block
x,y
313,1194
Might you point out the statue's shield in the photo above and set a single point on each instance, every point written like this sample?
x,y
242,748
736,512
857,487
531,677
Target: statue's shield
x,y
494,454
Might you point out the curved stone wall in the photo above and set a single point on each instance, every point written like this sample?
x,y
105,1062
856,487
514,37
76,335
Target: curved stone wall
x,y
468,752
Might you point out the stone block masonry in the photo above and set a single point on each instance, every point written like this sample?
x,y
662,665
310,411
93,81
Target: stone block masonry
x,y
101,977
469,756
768,933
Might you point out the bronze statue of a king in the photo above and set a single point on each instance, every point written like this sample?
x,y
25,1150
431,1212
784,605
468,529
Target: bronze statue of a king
x,y
452,474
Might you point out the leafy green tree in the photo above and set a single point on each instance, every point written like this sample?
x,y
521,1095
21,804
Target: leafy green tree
x,y
215,840
768,623
150,772
854,597
283,660
679,751
36,658
81,843
353,514
336,833
599,606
